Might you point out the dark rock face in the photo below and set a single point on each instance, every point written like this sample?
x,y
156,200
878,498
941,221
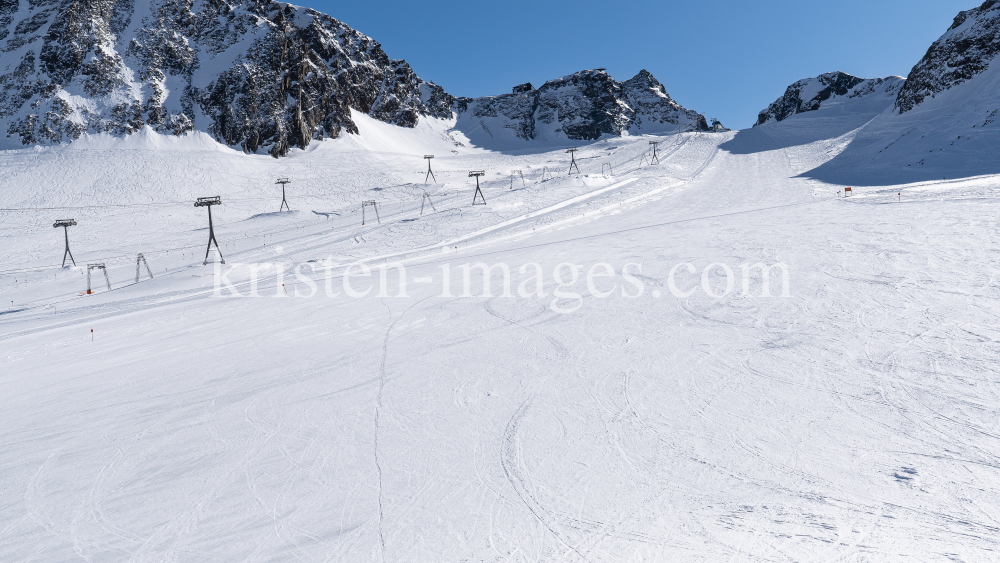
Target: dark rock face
x,y
262,75
583,106
653,107
962,53
810,93
258,74
814,90
521,88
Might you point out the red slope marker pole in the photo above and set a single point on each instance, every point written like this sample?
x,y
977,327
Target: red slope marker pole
x,y
91,335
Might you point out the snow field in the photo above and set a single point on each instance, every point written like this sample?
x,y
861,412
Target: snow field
x,y
853,421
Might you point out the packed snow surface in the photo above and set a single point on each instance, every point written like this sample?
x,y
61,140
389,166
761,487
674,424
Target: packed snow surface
x,y
853,419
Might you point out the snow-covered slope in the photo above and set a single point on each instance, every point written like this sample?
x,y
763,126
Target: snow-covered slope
x,y
257,74
584,106
668,408
853,420
833,89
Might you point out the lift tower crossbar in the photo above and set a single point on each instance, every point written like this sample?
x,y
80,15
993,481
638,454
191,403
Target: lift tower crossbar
x,y
65,224
209,202
572,164
284,202
430,173
655,159
477,198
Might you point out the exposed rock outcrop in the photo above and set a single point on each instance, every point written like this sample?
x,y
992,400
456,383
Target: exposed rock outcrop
x,y
811,93
262,75
582,106
963,52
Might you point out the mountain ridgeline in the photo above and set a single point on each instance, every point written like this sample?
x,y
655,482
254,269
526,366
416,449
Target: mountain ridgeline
x,y
833,87
261,75
582,106
964,52
939,123
257,74
267,77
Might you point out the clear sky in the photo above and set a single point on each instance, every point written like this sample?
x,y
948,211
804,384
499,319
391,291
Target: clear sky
x,y
727,59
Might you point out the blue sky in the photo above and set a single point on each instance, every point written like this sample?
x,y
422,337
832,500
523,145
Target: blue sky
x,y
726,59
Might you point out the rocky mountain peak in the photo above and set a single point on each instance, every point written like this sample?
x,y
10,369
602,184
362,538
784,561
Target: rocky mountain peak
x,y
645,80
265,76
963,52
582,106
811,94
257,74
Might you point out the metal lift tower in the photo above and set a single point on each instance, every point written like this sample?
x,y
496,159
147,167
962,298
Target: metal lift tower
x,y
97,267
572,164
284,203
516,173
365,204
476,197
430,173
65,224
426,198
655,159
139,258
209,202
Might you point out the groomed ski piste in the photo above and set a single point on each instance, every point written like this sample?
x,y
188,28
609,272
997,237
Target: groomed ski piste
x,y
850,416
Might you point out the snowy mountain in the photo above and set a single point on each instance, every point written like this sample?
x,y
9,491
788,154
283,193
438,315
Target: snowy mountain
x,y
942,122
714,357
257,74
829,89
961,54
680,416
264,76
582,106
937,123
